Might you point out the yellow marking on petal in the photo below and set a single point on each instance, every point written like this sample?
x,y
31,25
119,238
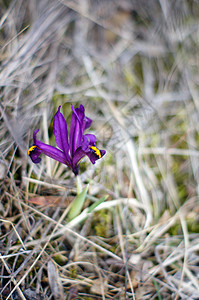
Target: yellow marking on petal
x,y
31,149
96,151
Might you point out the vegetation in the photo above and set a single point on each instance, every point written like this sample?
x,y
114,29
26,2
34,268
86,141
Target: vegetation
x,y
134,234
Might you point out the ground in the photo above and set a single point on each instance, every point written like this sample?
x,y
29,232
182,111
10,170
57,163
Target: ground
x,y
127,226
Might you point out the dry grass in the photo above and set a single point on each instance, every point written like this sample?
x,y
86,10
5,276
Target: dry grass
x,y
134,65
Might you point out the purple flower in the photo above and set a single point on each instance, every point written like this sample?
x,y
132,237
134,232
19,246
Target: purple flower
x,y
73,146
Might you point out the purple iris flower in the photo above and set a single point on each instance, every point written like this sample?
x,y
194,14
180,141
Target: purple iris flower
x,y
73,146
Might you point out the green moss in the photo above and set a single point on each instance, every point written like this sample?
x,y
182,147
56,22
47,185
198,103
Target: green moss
x,y
101,222
73,272
60,259
175,230
193,225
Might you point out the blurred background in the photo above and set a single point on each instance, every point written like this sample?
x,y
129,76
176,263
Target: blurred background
x,y
134,65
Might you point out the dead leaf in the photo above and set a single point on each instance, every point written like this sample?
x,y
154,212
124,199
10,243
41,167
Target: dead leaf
x,y
51,201
32,295
3,169
55,282
99,286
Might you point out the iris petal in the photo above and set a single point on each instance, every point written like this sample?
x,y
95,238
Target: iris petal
x,y
34,155
61,133
92,139
85,144
50,150
87,123
93,157
79,154
35,135
76,129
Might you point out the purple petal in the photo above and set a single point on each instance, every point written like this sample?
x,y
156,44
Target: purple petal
x,y
76,129
92,139
35,136
50,150
93,156
80,113
61,133
79,154
86,123
103,152
85,143
53,152
34,154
